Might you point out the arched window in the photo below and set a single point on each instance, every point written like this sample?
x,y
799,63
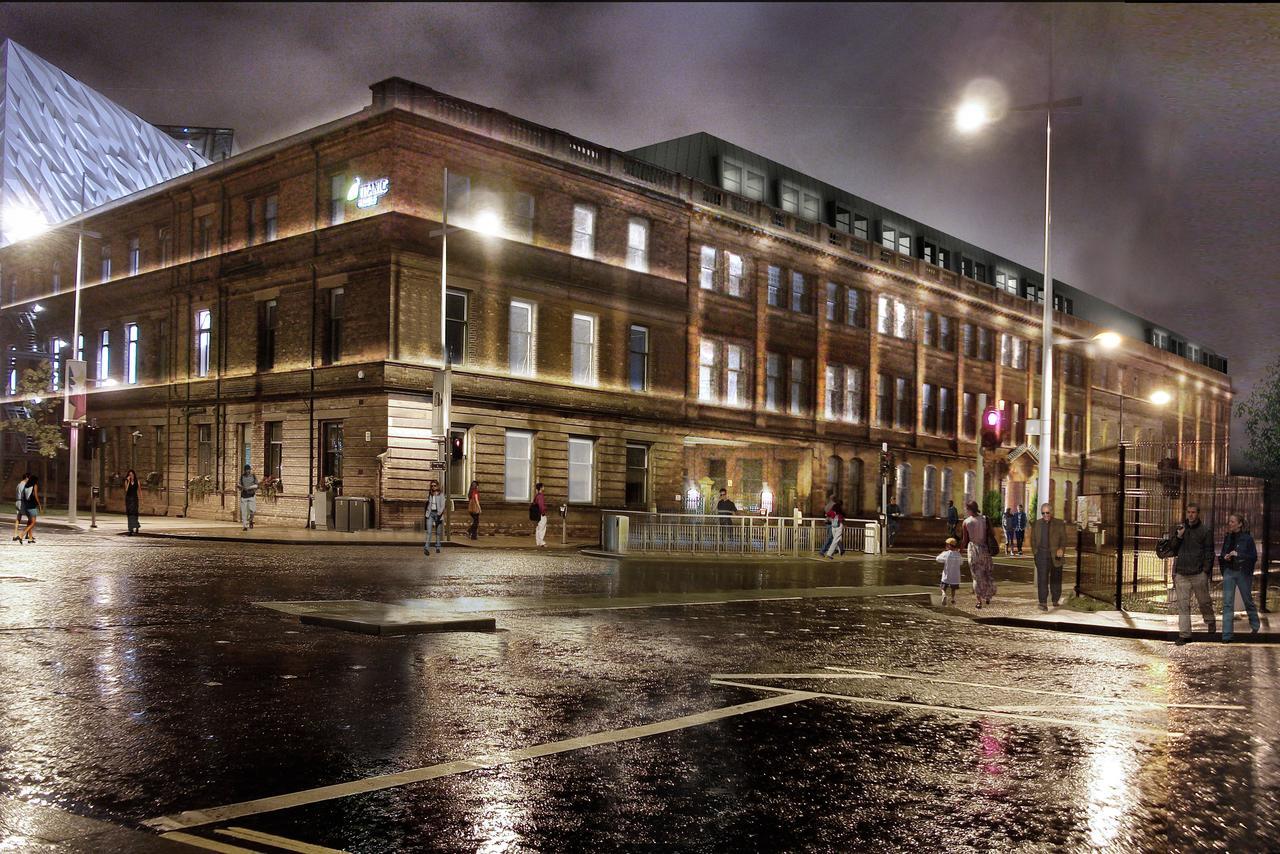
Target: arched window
x,y
970,484
930,506
904,488
835,470
853,495
944,494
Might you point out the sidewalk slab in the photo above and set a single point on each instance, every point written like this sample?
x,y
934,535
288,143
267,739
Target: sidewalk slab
x,y
1127,625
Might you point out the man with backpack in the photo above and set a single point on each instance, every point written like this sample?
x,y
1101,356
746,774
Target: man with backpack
x,y
538,514
1192,550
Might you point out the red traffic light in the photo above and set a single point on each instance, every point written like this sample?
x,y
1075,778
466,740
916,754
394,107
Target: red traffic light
x,y
993,418
992,428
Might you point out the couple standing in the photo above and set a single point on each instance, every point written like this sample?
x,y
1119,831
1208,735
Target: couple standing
x,y
28,504
1191,544
434,514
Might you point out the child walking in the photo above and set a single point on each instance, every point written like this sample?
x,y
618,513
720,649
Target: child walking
x,y
950,559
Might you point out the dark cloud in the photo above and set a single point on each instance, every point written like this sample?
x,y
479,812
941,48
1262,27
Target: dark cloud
x,y
1166,182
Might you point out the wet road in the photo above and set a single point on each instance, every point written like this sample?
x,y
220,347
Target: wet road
x,y
139,682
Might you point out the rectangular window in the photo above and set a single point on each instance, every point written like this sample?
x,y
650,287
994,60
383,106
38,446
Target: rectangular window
x,y
980,272
637,478
331,448
105,254
947,411
204,450
735,387
584,349
519,465
204,338
884,315
789,198
929,253
707,370
969,421
844,219
130,353
1019,354
520,339
853,395
1006,349
799,292
455,326
860,226
267,315
638,358
946,334
1015,425
984,344
772,381
929,408
581,470
929,334
737,178
735,274
904,244
799,385
707,269
775,286
888,237
810,206
135,255
902,327
337,199
520,216
335,322
104,355
854,312
834,393
884,401
905,417
833,300
55,367
271,208
164,236
80,349
638,244
584,231
967,343
273,445
204,236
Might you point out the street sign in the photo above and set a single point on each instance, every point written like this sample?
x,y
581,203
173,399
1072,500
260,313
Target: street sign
x,y
1033,427
74,406
434,466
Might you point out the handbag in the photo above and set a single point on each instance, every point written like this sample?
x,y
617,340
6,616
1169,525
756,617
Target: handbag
x,y
993,545
1168,547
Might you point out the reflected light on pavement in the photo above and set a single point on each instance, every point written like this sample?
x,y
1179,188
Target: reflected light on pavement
x,y
1109,790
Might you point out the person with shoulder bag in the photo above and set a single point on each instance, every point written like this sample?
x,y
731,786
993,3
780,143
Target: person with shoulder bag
x,y
1238,557
1192,564
473,507
434,517
538,514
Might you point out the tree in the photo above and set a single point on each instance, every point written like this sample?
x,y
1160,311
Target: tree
x,y
37,411
1261,414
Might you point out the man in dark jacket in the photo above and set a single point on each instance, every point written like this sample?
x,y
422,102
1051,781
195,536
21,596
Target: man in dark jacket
x,y
1191,568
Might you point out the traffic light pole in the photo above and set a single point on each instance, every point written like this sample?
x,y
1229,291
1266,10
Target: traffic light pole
x,y
884,498
980,493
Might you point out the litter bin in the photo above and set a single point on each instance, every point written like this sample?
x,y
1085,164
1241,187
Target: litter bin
x,y
871,541
616,533
359,514
341,514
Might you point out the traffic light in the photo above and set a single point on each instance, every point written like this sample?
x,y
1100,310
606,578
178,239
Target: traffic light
x,y
90,441
455,447
992,428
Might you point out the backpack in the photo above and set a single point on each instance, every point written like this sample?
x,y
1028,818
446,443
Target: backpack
x,y
535,515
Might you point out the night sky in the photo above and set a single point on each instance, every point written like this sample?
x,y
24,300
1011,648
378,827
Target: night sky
x,y
1166,182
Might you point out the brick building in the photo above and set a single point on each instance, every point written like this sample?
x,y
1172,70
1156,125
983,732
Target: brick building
x,y
633,330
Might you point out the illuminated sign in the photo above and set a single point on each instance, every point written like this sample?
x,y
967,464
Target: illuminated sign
x,y
366,194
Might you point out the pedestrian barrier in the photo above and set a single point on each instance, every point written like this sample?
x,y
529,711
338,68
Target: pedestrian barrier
x,y
696,533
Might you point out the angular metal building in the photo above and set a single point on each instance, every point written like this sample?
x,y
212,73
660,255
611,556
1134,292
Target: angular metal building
x,y
58,136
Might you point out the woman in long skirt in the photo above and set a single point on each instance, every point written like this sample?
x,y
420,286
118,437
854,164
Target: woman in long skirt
x,y
974,536
131,500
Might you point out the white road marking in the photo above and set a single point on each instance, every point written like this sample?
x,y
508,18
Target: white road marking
x,y
1090,697
681,604
206,844
953,710
197,818
791,676
277,841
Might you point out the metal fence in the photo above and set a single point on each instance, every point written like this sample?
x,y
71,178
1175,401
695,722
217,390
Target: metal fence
x,y
1133,495
696,533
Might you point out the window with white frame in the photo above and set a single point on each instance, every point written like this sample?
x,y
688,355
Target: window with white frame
x,y
520,339
584,349
833,300
707,268
740,179
799,398
884,315
707,370
638,358
270,216
584,231
204,338
724,375
774,295
904,488
734,283
904,243
855,311
789,197
519,465
810,206
735,387
902,327
799,292
970,485
888,237
853,394
638,244
581,470
1007,282
135,255
104,355
835,392
130,353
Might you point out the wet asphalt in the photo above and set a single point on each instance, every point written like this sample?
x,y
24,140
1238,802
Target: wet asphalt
x,y
139,679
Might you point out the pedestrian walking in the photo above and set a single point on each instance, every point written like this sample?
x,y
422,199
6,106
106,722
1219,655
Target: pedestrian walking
x,y
953,519
826,514
836,519
1192,564
31,506
538,514
1006,523
434,513
131,501
248,486
1238,557
1019,527
895,513
978,538
1049,548
950,559
473,507
19,498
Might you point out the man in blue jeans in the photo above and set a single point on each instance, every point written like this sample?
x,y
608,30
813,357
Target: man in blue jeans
x,y
1239,554
434,513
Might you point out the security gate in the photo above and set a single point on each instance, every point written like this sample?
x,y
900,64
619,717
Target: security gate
x,y
1132,495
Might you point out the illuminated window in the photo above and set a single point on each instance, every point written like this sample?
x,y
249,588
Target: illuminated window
x,y
104,355
520,340
204,337
131,353
584,349
584,231
638,245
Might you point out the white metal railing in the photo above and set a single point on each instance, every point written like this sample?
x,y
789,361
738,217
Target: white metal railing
x,y
697,533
